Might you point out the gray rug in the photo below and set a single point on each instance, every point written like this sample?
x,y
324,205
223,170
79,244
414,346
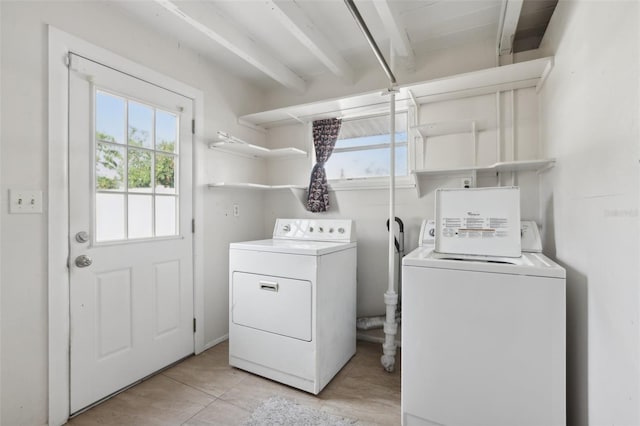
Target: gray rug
x,y
285,412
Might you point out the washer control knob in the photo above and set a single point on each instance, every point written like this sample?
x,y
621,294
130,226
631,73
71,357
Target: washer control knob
x,y
341,230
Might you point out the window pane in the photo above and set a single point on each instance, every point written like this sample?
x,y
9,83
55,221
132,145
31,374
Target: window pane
x,y
368,163
166,220
109,217
139,170
165,174
140,218
140,125
109,167
166,131
109,118
360,150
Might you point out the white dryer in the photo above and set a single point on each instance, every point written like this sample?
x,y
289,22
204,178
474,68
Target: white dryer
x,y
292,302
483,342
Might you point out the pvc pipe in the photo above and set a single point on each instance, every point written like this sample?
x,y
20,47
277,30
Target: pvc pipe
x,y
388,358
514,142
369,323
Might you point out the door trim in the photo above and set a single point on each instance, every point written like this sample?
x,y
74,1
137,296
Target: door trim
x,y
60,44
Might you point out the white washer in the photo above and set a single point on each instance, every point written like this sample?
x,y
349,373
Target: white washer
x,y
483,343
292,302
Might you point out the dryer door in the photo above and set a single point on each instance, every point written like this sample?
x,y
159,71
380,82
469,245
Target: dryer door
x,y
272,304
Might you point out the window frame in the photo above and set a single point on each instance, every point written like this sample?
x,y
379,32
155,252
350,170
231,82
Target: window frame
x,y
374,182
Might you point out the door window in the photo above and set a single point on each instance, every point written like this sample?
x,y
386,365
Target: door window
x,y
136,191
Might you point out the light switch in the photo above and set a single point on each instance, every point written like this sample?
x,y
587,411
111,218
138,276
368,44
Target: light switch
x,y
25,201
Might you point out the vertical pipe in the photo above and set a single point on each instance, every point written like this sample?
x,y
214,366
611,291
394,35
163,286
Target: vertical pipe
x,y
514,143
474,133
498,131
388,358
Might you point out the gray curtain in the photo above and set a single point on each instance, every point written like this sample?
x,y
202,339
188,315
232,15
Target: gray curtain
x,y
325,135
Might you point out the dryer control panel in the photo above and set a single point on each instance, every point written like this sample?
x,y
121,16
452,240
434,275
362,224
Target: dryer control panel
x,y
338,230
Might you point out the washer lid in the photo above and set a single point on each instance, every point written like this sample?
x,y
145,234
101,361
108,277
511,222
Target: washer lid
x,y
533,264
308,248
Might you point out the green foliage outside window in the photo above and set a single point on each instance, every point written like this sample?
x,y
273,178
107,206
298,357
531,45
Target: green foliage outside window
x,y
110,158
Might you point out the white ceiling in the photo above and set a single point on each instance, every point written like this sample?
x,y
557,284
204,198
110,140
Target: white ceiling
x,y
261,41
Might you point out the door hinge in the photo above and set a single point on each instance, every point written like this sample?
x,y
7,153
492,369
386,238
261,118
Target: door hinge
x,y
67,60
193,226
194,325
193,127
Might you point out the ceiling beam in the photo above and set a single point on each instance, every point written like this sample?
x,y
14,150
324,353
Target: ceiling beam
x,y
217,28
290,15
508,25
399,39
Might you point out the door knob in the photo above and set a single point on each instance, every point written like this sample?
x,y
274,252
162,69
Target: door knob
x,y
83,261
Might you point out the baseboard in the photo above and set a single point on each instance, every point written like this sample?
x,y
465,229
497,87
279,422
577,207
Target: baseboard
x,y
216,341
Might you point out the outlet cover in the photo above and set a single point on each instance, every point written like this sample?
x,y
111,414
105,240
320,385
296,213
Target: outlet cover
x,y
467,182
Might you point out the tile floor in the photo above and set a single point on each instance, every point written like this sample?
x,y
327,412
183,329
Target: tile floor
x,y
203,390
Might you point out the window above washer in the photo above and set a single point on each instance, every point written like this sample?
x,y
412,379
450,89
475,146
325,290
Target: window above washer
x,y
362,150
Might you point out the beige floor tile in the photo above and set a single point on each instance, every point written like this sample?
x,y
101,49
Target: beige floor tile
x,y
219,413
218,355
375,375
203,372
157,401
187,392
371,402
252,392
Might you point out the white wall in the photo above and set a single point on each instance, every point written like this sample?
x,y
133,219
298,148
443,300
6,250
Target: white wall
x,y
369,207
24,165
2,207
589,116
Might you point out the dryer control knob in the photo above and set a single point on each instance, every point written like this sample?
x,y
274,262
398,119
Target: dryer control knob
x,y
331,230
311,229
341,230
320,229
286,228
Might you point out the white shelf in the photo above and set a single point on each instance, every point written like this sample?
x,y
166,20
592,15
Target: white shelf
x,y
257,186
491,80
525,165
446,128
508,166
298,191
228,143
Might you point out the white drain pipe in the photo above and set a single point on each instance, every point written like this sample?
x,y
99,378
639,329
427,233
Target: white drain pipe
x,y
388,358
390,297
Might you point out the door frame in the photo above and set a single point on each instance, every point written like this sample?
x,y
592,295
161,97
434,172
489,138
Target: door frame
x,y
60,44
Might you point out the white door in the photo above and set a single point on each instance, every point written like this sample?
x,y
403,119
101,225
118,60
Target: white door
x,y
130,242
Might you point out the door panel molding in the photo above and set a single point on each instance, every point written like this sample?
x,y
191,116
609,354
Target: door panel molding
x,y
60,45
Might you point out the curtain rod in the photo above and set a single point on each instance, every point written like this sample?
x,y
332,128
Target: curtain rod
x,y
376,51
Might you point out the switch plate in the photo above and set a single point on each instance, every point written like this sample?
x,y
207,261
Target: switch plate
x,y
25,201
